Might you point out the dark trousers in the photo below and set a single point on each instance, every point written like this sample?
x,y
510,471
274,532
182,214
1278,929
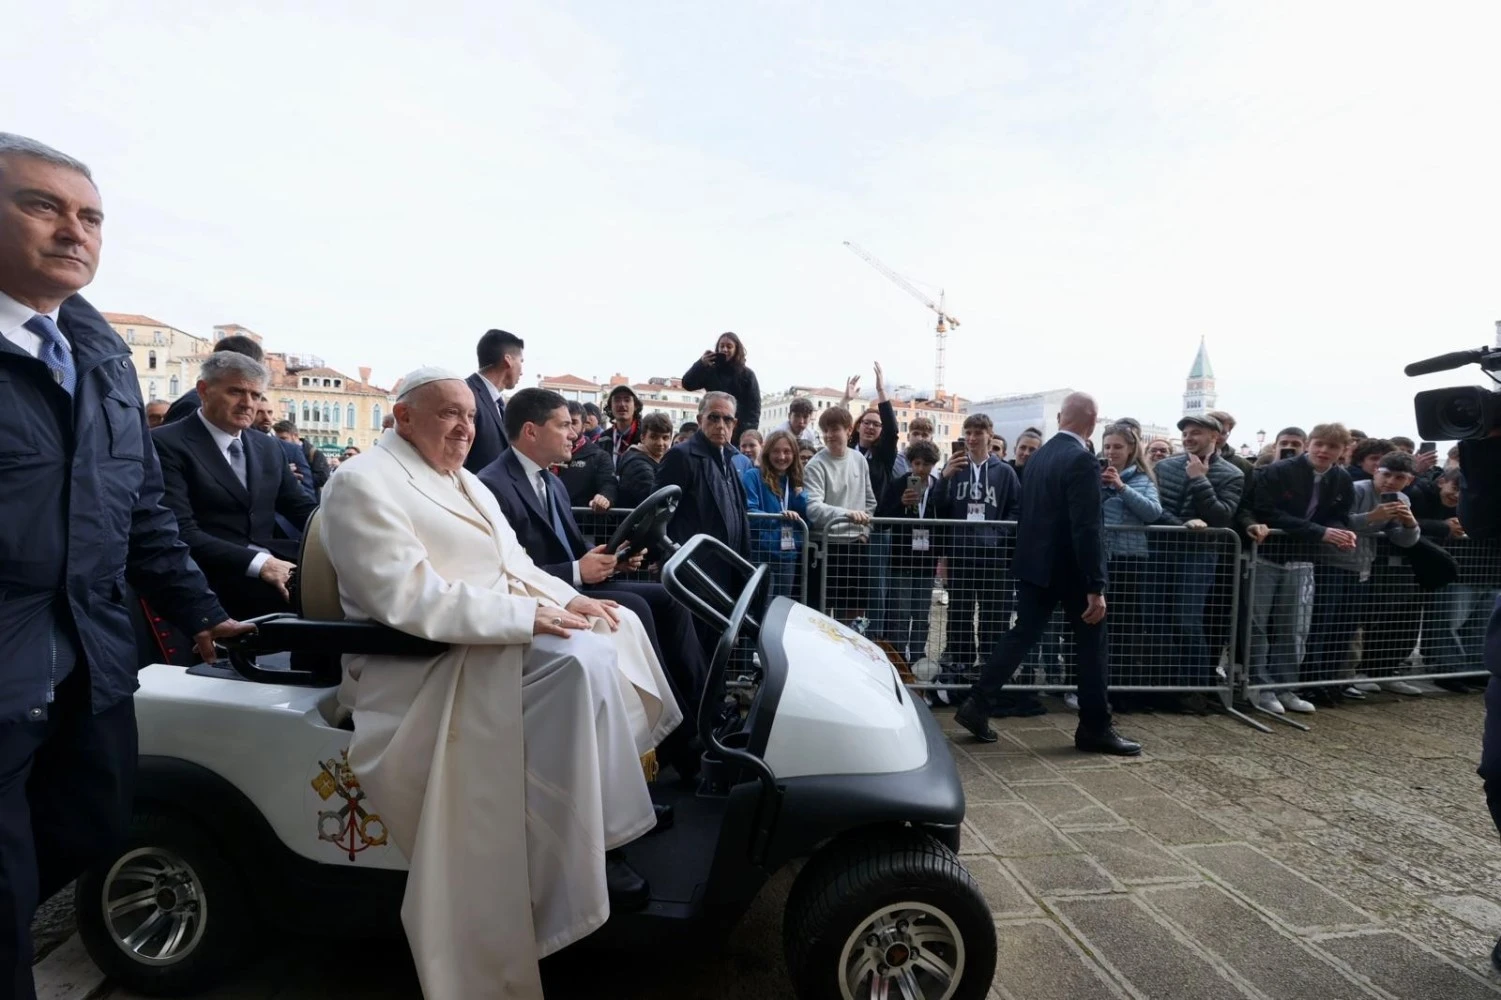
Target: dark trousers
x,y
1490,753
669,625
979,607
1392,618
1336,608
1034,606
65,791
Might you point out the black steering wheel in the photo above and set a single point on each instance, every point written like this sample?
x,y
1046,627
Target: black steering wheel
x,y
645,529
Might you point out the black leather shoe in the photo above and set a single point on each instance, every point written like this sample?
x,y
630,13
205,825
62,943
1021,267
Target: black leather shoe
x,y
1106,741
628,890
1496,957
975,719
664,817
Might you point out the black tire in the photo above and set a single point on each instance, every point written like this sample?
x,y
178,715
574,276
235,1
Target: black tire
x,y
855,877
215,948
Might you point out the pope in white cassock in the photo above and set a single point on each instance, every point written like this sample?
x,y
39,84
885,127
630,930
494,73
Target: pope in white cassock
x,y
508,766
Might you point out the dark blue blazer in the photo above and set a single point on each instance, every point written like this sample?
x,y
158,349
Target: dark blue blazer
x,y
489,430
81,516
1060,540
295,457
218,518
505,478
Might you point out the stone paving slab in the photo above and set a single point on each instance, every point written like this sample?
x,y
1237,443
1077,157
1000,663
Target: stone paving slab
x,y
1039,962
1402,968
1292,898
1224,863
1145,951
1269,959
1133,857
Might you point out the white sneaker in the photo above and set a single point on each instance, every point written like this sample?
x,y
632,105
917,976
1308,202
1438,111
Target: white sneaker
x,y
1071,700
1354,693
1267,702
1293,703
1402,687
1364,683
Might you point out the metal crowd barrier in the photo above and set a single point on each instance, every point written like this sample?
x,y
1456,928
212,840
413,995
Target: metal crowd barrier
x,y
1319,619
937,595
1190,612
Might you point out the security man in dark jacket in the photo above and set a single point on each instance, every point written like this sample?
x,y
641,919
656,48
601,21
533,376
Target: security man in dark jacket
x,y
713,500
1060,559
81,521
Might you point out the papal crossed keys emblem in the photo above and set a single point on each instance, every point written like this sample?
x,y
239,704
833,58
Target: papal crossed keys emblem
x,y
349,826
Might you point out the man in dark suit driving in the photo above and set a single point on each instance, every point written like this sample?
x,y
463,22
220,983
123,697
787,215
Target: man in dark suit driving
x,y
1060,559
535,502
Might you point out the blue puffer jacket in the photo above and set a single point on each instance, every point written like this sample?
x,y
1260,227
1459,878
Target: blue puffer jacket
x,y
81,517
1133,505
766,535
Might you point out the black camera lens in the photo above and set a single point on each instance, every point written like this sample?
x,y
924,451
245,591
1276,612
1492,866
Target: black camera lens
x,y
1462,411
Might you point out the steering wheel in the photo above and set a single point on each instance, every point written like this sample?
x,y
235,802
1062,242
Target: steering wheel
x,y
645,529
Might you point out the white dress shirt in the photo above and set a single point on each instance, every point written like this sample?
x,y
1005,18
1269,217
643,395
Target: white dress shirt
x,y
534,477
13,319
222,441
1083,443
494,392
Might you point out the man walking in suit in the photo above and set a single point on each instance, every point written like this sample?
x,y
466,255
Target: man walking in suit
x,y
500,356
226,484
535,502
1060,559
81,522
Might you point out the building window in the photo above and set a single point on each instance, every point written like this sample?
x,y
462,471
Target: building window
x,y
349,417
328,383
172,387
305,418
375,417
151,360
151,389
338,382
328,414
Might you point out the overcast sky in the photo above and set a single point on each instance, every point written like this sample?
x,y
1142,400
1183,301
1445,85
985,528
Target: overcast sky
x,y
1314,187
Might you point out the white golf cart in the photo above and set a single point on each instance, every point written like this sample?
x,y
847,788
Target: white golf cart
x,y
247,815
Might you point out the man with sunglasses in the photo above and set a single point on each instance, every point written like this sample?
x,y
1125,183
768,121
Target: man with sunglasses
x,y
713,500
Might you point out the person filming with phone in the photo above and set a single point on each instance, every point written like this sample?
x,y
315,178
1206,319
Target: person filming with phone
x,y
724,370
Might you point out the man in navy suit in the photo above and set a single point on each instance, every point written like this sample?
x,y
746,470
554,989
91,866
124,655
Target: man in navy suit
x,y
265,422
535,502
500,355
227,483
1060,559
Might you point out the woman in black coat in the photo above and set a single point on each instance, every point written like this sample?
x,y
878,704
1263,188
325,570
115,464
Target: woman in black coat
x,y
723,370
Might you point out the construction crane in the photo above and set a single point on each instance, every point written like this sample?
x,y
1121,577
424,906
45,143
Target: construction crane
x,y
945,321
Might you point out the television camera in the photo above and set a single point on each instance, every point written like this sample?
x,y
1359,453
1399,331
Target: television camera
x,y
1459,412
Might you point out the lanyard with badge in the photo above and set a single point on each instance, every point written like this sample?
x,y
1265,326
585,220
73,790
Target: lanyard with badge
x,y
977,496
921,537
789,539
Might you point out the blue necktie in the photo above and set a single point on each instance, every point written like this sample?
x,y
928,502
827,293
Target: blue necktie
x,y
54,353
552,509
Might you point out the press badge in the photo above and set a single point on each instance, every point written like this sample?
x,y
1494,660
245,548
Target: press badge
x,y
919,539
976,512
789,541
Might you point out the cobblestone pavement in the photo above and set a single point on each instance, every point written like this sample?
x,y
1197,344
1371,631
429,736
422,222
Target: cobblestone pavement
x,y
1354,861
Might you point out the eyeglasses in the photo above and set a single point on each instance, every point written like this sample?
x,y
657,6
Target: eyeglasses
x,y
719,418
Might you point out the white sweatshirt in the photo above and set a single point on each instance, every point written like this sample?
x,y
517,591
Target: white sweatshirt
x,y
836,487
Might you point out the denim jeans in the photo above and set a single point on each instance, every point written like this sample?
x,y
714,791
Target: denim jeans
x,y
1188,573
1337,599
1276,596
878,597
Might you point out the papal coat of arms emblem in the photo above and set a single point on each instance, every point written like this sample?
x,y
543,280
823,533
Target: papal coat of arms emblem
x,y
350,826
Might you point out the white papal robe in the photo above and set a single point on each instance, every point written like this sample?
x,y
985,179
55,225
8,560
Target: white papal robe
x,y
507,747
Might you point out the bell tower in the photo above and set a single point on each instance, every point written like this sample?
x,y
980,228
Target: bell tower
x,y
1199,396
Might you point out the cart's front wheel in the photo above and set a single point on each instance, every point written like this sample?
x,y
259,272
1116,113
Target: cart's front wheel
x,y
891,914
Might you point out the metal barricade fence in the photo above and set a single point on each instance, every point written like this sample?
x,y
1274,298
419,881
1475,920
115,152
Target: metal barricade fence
x,y
781,544
1329,623
937,595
